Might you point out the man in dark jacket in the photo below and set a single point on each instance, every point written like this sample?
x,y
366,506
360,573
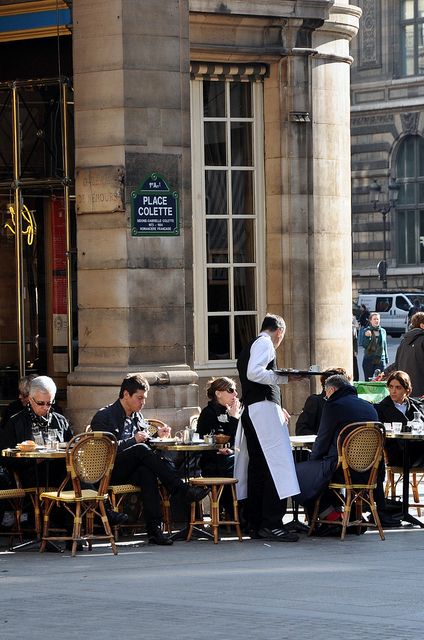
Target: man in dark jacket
x,y
136,462
410,354
342,407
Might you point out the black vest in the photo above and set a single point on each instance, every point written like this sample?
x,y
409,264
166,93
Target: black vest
x,y
254,391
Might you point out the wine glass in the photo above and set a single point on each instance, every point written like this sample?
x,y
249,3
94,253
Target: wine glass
x,y
51,439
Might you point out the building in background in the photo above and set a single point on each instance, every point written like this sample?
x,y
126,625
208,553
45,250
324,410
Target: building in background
x,y
387,142
180,169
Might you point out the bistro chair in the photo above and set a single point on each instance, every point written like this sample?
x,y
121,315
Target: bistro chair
x,y
14,499
360,450
119,492
394,476
89,461
216,487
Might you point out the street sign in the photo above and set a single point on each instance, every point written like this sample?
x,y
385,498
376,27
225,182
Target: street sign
x,y
154,208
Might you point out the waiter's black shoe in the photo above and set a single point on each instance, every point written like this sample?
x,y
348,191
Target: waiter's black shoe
x,y
156,536
68,545
327,531
116,517
277,535
196,494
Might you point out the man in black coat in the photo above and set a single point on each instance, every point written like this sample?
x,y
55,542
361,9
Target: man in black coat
x,y
410,354
342,407
136,462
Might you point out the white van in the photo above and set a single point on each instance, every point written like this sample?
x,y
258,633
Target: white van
x,y
393,307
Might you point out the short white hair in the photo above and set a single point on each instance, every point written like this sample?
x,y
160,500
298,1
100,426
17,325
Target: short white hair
x,y
43,384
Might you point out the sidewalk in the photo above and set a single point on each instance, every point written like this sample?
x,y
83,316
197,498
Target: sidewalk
x,y
318,588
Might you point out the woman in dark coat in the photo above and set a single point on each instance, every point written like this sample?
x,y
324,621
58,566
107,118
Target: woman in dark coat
x,y
399,407
221,415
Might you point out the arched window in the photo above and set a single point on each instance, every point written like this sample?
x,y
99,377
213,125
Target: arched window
x,y
410,206
412,37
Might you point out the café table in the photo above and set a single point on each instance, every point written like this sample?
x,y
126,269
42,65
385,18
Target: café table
x,y
190,451
404,440
299,444
40,454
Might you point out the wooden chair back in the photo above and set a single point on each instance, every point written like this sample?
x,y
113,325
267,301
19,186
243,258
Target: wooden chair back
x,y
89,460
360,448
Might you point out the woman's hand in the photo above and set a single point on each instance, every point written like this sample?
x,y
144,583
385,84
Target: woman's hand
x,y
233,408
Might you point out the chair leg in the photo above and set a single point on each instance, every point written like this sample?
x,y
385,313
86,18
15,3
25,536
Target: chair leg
x,y
48,506
375,514
107,528
76,532
192,519
215,512
235,512
346,512
314,516
416,493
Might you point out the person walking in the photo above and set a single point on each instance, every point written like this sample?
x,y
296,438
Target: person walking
x,y
374,341
410,354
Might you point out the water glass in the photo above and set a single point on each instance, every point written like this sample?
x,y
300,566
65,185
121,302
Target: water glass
x,y
388,426
397,427
51,440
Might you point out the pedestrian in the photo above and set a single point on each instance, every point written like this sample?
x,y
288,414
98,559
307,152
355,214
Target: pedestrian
x,y
410,354
374,341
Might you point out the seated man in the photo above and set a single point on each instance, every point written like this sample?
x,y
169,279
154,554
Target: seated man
x,y
341,408
136,462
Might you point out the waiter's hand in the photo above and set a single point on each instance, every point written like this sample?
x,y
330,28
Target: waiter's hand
x,y
295,377
164,432
141,436
286,415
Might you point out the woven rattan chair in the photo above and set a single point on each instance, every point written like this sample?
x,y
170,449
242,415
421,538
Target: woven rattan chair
x,y
216,487
14,499
89,460
394,476
360,450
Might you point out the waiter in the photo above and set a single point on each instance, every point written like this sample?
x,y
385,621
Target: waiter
x,y
264,462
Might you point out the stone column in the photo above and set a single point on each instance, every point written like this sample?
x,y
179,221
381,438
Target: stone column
x,y
131,79
313,289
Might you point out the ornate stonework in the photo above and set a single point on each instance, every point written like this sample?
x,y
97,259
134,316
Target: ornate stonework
x,y
369,35
410,122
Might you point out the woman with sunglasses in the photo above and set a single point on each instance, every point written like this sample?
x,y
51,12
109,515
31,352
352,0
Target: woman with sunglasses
x,y
221,415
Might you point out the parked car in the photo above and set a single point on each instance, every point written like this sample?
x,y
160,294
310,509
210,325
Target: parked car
x,y
393,307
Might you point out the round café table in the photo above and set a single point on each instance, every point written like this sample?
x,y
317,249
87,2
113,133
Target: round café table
x,y
41,454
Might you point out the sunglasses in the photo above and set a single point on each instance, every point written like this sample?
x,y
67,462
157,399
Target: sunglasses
x,y
41,403
230,390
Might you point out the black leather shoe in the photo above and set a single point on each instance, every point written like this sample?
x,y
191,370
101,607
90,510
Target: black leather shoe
x,y
157,537
277,535
196,494
116,517
68,545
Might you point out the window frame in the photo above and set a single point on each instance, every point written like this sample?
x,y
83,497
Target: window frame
x,y
200,266
415,22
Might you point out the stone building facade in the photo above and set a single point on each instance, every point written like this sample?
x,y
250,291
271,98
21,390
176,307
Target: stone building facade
x,y
241,111
387,85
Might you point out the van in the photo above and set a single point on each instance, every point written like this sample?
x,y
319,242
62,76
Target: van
x,y
393,307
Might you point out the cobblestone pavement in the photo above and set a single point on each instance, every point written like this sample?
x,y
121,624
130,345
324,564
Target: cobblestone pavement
x,y
318,588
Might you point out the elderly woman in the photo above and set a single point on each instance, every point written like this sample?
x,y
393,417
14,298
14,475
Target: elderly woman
x,y
399,407
221,415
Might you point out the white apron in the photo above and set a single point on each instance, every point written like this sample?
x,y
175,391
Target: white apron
x,y
273,435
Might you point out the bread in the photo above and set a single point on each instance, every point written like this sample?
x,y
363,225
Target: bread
x,y
27,445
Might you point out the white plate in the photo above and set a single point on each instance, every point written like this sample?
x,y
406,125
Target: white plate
x,y
164,440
